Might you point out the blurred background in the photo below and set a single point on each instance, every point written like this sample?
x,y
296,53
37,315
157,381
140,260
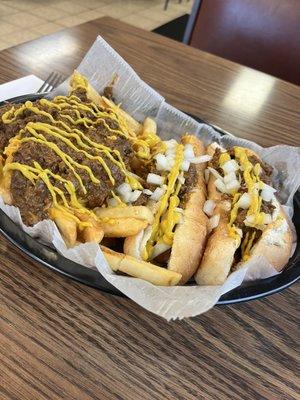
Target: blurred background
x,y
261,34
23,20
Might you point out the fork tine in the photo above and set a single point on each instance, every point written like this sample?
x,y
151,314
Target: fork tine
x,y
49,86
55,82
45,84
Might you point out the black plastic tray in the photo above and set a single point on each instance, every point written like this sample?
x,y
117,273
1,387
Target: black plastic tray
x,y
51,259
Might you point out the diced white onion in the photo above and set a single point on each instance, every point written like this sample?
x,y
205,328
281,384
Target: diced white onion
x,y
230,177
181,178
134,175
171,144
181,219
127,197
267,193
239,232
233,185
185,165
135,195
220,185
158,193
161,162
147,192
226,205
209,207
155,179
244,201
215,146
269,187
112,202
200,159
159,248
171,161
124,189
206,175
215,173
178,209
213,222
230,166
146,236
249,219
267,219
170,154
188,151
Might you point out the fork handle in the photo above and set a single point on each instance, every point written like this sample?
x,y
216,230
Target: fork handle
x,y
24,97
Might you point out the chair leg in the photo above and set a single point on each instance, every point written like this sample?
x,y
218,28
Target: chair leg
x,y
166,4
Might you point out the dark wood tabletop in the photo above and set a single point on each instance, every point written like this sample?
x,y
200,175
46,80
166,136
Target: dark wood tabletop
x,y
62,340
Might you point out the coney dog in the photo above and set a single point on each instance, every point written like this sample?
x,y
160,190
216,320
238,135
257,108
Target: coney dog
x,y
177,236
246,219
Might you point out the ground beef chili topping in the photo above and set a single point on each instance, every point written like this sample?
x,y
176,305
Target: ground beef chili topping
x,y
34,198
189,184
267,207
266,169
215,161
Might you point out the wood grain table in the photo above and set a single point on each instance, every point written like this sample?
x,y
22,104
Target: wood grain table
x,y
62,340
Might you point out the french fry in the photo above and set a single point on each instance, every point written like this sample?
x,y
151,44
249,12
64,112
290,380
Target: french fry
x,y
123,227
66,225
77,80
134,212
134,127
140,269
149,126
93,233
5,187
5,178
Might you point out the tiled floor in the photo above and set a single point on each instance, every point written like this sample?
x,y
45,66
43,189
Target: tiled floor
x,y
23,20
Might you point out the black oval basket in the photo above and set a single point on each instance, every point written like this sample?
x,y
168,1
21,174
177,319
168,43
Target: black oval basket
x,y
51,259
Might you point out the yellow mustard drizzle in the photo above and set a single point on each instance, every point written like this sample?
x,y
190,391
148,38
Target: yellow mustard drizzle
x,y
248,243
235,208
244,242
116,197
170,219
254,184
224,157
163,233
247,167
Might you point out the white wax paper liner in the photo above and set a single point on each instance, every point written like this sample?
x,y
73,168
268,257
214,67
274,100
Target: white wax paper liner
x,y
140,100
